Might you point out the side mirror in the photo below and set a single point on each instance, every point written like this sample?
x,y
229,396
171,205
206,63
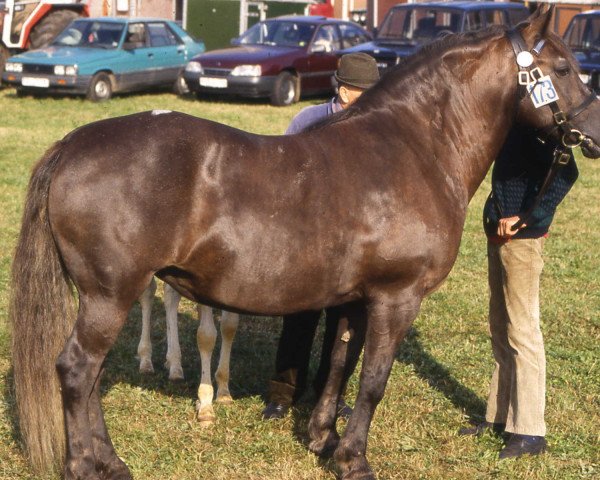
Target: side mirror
x,y
235,42
375,31
318,49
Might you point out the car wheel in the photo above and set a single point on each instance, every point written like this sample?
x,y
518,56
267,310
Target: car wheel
x,y
286,90
100,88
50,26
181,86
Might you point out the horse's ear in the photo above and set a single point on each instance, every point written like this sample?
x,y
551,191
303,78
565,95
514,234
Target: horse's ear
x,y
539,22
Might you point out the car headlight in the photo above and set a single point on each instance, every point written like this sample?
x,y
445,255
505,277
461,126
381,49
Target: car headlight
x,y
247,71
59,70
71,70
193,66
13,67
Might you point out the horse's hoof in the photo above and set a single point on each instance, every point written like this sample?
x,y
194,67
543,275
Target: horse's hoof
x,y
324,447
359,476
176,374
205,416
224,399
146,367
117,470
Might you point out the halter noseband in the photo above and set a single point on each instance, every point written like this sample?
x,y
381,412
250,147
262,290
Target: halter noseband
x,y
529,77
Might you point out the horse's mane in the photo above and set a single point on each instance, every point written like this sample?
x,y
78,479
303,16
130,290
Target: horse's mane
x,y
408,69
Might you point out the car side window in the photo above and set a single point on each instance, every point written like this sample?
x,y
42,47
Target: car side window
x,y
352,35
496,17
160,35
516,15
329,37
474,21
136,35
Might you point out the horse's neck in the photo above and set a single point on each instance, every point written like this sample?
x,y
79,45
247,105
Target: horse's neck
x,y
458,110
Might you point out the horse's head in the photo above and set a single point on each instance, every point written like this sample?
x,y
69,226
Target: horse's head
x,y
553,97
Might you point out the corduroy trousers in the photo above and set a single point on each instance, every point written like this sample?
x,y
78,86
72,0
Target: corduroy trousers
x,y
518,385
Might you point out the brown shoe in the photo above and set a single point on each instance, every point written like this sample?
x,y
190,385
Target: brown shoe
x,y
275,411
343,409
519,445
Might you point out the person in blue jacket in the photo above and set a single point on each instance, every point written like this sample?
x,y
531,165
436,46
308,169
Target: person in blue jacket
x,y
516,399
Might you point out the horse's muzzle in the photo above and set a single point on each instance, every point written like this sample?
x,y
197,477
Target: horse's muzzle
x,y
590,147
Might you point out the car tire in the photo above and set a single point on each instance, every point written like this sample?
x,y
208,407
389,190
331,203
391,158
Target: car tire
x,y
286,90
181,87
100,88
50,26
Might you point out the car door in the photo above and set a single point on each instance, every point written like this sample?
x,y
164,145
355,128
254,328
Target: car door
x,y
168,50
322,60
140,59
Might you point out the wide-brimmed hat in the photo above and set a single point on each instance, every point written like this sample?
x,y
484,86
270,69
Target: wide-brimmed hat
x,y
357,70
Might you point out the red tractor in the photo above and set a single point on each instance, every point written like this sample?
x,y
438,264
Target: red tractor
x,y
33,24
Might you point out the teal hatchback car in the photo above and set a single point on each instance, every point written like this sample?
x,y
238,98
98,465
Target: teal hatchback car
x,y
97,57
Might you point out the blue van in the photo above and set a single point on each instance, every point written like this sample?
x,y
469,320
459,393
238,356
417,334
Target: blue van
x,y
407,27
583,37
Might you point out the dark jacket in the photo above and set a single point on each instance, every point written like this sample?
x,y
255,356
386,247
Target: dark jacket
x,y
517,176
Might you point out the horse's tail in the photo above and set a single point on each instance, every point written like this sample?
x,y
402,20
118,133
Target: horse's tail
x,y
42,315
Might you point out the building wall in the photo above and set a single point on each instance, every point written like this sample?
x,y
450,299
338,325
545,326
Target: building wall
x,y
133,8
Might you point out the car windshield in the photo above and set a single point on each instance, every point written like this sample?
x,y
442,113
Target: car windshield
x,y
82,33
584,33
418,25
282,34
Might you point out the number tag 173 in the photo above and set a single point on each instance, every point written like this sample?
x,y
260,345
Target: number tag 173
x,y
542,91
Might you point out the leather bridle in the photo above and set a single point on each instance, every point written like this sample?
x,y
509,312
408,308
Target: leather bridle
x,y
529,75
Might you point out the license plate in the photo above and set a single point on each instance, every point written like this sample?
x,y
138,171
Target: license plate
x,y
35,82
213,82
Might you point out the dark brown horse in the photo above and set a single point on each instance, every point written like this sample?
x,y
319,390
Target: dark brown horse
x,y
363,214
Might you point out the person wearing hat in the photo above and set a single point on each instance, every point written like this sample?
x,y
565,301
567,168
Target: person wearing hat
x,y
356,72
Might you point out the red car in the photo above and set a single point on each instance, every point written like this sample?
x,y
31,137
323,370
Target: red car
x,y
281,58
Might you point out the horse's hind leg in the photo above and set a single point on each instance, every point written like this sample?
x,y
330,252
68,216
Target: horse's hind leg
x,y
173,362
387,325
229,325
346,351
206,338
144,349
108,464
98,323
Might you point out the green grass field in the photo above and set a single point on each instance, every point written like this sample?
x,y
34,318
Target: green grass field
x,y
438,382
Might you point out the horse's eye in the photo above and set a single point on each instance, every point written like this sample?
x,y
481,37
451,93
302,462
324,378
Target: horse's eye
x,y
562,68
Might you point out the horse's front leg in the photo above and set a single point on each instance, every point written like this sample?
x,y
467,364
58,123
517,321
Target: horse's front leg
x,y
144,349
98,323
388,322
206,338
346,351
229,325
171,300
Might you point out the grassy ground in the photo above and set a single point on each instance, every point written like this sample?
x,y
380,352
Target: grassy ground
x,y
438,382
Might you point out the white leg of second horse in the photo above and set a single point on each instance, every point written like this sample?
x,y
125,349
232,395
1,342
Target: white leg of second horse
x,y
229,325
173,362
144,349
206,338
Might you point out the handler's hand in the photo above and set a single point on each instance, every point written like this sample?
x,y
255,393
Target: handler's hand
x,y
505,227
